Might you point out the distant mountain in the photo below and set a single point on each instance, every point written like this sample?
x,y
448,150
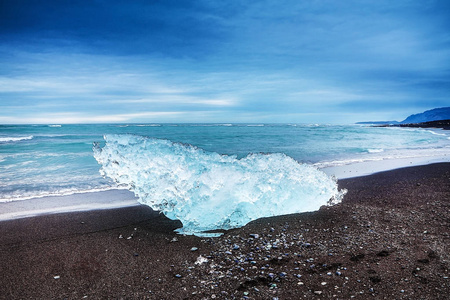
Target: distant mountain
x,y
436,114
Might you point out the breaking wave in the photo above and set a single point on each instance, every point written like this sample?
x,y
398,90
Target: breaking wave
x,y
15,139
208,191
375,150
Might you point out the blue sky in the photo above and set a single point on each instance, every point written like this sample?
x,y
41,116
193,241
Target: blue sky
x,y
317,61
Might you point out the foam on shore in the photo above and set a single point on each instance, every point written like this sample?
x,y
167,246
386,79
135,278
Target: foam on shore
x,y
364,168
68,203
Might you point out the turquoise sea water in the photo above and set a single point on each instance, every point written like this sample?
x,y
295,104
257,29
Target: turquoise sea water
x,y
40,160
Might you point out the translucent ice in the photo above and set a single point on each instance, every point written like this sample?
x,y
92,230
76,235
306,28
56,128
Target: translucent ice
x,y
208,191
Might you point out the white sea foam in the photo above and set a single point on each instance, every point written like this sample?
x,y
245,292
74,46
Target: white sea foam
x,y
375,150
149,125
208,191
15,139
57,126
434,132
89,200
21,195
384,155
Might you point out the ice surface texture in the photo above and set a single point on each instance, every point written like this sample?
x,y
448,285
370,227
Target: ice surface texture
x,y
208,191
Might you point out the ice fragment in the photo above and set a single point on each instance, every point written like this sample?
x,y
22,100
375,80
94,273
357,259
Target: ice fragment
x,y
208,191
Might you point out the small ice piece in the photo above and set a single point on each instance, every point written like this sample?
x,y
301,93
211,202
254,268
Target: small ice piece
x,y
57,277
200,260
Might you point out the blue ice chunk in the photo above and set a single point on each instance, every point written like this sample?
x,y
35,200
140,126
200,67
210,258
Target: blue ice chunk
x,y
208,191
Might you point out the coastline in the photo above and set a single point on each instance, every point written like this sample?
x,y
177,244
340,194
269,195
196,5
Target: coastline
x,y
442,124
366,168
86,201
120,198
389,238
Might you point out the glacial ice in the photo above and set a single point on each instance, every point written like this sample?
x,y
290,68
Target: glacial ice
x,y
208,191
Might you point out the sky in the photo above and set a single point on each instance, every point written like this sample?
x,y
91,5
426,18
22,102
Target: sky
x,y
270,61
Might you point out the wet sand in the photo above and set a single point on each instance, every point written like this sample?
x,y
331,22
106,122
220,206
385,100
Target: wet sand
x,y
388,239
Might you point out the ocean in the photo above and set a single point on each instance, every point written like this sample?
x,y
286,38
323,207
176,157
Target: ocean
x,y
44,160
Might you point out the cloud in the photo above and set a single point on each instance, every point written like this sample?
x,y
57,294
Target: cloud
x,y
76,118
208,60
177,99
117,27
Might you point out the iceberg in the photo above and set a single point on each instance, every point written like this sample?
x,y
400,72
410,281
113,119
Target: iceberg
x,y
208,191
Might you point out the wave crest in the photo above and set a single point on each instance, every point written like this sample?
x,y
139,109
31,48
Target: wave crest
x,y
208,191
15,139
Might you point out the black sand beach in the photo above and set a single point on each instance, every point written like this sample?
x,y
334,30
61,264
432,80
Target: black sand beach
x,y
388,239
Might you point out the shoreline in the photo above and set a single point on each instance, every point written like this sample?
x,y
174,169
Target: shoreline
x,y
367,168
120,198
78,202
440,124
388,239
